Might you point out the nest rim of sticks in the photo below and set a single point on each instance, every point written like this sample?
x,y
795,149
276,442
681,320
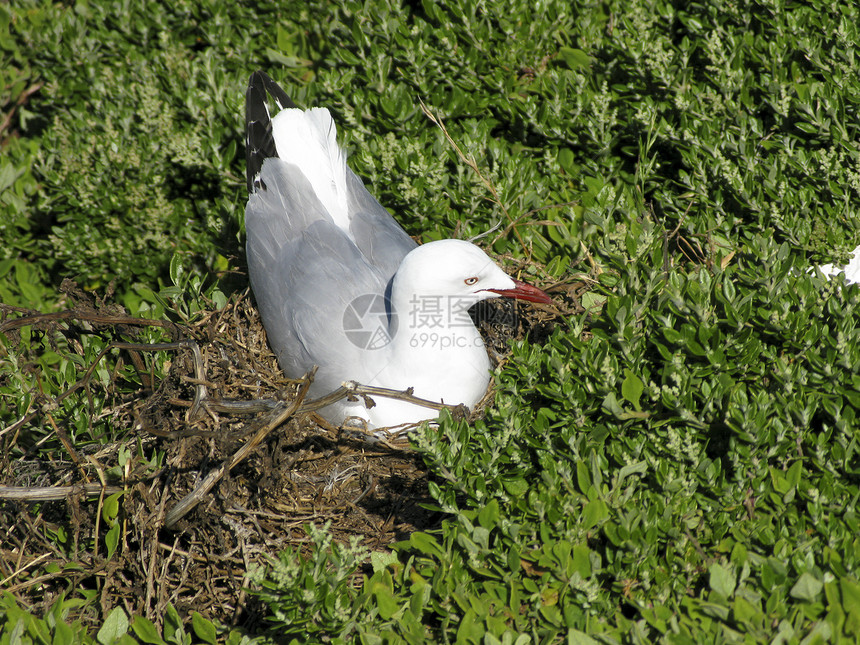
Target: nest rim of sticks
x,y
239,465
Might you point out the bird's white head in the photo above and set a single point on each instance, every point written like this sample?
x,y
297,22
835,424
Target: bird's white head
x,y
455,268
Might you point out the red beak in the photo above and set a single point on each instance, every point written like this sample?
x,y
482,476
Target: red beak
x,y
524,291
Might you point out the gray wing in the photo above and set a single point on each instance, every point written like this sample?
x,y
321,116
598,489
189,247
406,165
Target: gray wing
x,y
382,241
305,272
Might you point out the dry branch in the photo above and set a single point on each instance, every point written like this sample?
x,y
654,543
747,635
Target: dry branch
x,y
279,415
49,493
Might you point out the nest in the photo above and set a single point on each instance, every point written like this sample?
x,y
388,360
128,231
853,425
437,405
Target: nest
x,y
245,465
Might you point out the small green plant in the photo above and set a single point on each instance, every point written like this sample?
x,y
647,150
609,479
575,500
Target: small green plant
x,y
18,626
314,598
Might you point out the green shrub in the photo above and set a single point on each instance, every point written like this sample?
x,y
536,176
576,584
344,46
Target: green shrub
x,y
678,465
132,136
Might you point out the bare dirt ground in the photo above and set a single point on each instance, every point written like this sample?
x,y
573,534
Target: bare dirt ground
x,y
301,471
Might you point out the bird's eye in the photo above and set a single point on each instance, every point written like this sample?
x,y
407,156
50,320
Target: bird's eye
x,y
471,281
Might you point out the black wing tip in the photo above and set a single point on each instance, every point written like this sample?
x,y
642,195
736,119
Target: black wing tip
x,y
259,142
264,83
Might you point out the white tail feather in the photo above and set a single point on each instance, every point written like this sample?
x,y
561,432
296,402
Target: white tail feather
x,y
308,139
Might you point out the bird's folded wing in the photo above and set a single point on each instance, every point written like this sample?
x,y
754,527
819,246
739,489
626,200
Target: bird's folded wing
x,y
382,241
304,275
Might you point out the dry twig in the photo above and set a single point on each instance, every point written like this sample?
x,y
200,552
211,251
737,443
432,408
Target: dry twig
x,y
470,161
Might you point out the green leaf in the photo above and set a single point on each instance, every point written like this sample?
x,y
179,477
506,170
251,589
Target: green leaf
x,y
574,58
582,560
722,579
174,630
850,589
745,612
612,406
632,388
515,487
576,637
115,626
386,603
177,269
381,560
146,631
425,543
583,477
204,629
807,587
489,515
636,468
793,474
594,513
471,630
112,540
63,634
